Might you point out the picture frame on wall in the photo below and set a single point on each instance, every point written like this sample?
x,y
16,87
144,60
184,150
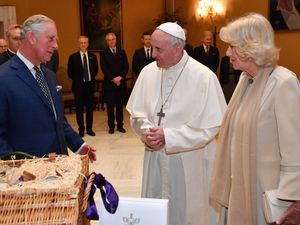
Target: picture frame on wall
x,y
7,16
284,14
99,17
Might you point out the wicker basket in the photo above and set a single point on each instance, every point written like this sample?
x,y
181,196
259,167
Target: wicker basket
x,y
44,206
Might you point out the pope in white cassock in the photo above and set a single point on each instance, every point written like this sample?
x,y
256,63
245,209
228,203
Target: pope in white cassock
x,y
176,107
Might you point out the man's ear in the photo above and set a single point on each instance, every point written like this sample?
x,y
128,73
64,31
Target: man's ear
x,y
178,49
30,37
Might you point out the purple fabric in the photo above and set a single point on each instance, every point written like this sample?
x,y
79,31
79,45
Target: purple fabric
x,y
109,196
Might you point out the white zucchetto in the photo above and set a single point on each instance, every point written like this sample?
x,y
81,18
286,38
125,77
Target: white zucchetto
x,y
173,29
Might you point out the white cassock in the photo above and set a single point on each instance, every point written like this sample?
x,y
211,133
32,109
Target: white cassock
x,y
180,171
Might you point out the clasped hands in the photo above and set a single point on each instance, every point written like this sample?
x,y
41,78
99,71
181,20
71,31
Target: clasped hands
x,y
90,151
117,80
154,138
290,216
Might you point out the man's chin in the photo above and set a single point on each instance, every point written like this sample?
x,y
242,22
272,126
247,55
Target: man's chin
x,y
159,65
47,59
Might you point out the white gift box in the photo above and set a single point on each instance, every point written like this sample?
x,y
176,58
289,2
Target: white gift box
x,y
136,211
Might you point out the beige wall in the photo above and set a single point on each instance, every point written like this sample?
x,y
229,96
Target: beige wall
x,y
287,41
66,13
137,17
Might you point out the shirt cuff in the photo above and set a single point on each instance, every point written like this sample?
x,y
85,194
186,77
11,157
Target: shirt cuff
x,y
77,152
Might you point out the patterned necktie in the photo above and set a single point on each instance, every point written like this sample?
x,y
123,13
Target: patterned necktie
x,y
40,78
85,69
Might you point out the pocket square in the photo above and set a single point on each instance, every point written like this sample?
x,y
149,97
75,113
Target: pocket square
x,y
58,88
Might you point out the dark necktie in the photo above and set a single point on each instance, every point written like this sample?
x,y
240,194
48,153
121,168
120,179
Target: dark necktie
x,y
114,51
148,53
207,50
85,69
40,78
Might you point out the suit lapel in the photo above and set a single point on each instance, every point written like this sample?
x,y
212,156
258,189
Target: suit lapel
x,y
268,89
26,76
56,97
117,51
78,56
203,50
143,56
57,101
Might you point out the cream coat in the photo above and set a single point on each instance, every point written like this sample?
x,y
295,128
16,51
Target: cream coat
x,y
278,142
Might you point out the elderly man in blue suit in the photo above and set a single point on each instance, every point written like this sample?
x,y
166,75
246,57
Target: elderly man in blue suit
x,y
31,111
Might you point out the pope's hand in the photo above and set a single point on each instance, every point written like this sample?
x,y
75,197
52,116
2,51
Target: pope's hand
x,y
90,151
154,138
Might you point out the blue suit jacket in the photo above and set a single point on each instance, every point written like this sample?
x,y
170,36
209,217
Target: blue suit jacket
x,y
27,123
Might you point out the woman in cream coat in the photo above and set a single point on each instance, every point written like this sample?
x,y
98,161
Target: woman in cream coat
x,y
258,146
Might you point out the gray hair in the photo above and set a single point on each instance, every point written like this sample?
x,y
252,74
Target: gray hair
x,y
110,34
35,24
253,37
83,36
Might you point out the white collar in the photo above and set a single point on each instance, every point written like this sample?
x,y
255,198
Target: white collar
x,y
25,61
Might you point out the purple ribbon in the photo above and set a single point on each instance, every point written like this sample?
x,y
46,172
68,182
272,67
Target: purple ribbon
x,y
109,196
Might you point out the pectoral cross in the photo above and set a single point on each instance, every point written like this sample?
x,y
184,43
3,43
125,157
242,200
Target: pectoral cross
x,y
160,114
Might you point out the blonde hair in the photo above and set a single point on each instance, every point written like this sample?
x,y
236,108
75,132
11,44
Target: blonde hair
x,y
253,37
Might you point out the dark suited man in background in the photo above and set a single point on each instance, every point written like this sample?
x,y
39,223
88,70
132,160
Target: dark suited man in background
x,y
13,40
54,62
31,108
206,53
114,65
229,77
82,69
3,45
188,48
142,56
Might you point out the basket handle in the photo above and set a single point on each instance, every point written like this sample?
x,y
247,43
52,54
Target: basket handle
x,y
109,196
87,192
